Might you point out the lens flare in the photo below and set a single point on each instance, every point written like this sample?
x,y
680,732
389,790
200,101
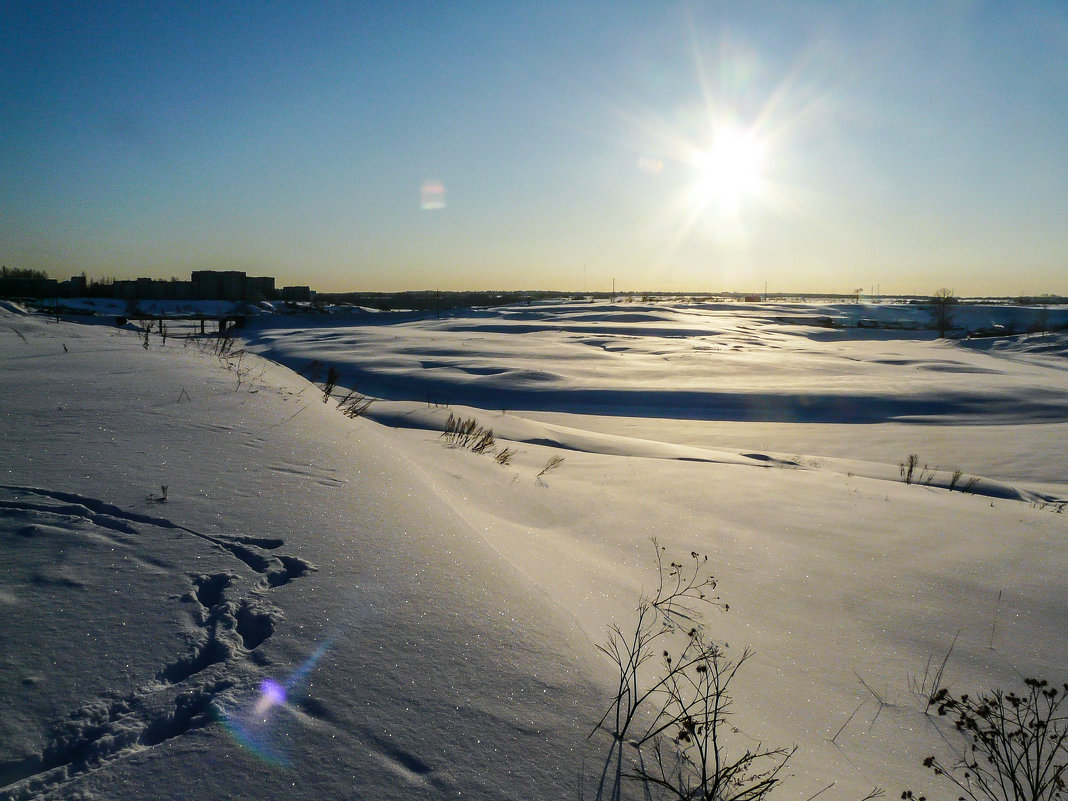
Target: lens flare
x,y
263,724
432,195
271,694
651,165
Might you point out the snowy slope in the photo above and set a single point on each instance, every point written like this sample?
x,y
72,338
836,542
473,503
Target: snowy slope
x,y
439,668
430,616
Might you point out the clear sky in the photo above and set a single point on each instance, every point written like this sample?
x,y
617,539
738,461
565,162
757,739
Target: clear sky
x,y
814,146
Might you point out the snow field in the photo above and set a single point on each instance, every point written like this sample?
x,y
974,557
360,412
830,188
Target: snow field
x,y
433,615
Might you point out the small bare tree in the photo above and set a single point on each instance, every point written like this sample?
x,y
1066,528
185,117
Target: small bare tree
x,y
941,310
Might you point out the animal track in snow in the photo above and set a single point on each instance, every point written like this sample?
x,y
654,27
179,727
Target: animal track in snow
x,y
106,729
230,616
250,550
225,629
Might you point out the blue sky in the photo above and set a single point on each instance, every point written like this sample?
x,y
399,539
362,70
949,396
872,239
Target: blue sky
x,y
814,146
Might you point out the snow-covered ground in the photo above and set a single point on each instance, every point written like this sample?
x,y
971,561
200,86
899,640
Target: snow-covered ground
x,y
325,607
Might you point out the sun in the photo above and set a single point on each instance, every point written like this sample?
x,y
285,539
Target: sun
x,y
729,171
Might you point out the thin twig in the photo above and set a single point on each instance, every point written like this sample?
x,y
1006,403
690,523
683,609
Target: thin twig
x,y
993,625
821,792
855,711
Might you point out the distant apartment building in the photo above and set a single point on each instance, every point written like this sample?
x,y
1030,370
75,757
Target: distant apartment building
x,y
26,283
295,294
232,285
28,287
152,289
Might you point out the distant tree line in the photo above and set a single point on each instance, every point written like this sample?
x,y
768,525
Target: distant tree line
x,y
23,273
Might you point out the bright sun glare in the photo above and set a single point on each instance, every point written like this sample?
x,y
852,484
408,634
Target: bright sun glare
x,y
724,152
729,171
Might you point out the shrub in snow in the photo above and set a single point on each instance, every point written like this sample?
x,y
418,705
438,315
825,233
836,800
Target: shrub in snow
x,y
461,433
332,377
554,462
484,441
469,433
354,404
908,471
1009,747
967,486
668,719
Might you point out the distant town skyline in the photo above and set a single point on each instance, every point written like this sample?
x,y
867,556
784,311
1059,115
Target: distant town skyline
x,y
692,146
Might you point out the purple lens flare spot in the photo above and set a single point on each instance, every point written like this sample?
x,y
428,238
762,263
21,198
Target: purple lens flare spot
x,y
273,692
